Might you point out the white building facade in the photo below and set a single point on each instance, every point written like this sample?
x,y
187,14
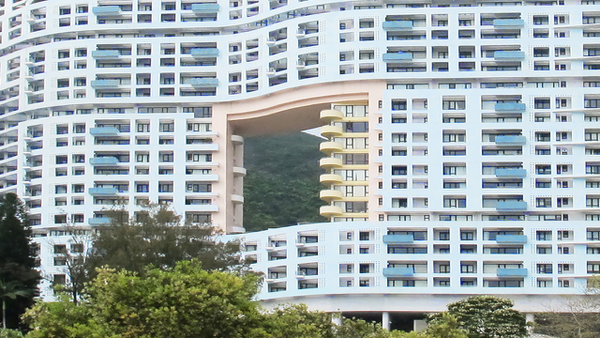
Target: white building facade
x,y
463,151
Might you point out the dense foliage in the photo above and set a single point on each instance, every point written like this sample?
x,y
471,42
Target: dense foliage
x,y
17,263
157,236
184,301
577,317
187,301
282,186
487,317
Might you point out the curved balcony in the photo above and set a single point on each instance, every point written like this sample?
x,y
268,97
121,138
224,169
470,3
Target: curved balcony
x,y
237,139
331,114
330,162
329,131
239,171
329,195
330,210
329,147
330,178
237,199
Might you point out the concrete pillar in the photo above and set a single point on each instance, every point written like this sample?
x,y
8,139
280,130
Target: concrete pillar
x,y
530,318
385,320
336,318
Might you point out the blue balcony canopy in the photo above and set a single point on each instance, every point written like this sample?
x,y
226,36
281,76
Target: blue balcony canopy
x,y
205,8
105,54
397,239
511,139
397,25
398,272
508,23
103,191
105,83
104,131
391,57
510,106
511,205
106,10
511,239
509,55
205,52
99,221
516,173
205,82
108,160
511,273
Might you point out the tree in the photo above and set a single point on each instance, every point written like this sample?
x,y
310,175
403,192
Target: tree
x,y
157,236
10,290
8,333
487,317
579,317
445,325
183,301
297,321
17,263
282,186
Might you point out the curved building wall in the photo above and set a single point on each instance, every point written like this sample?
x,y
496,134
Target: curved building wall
x,y
473,114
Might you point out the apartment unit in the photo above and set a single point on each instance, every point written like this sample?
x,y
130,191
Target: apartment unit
x,y
462,153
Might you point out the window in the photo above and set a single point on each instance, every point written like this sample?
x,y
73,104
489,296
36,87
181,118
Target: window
x,y
167,127
453,104
165,187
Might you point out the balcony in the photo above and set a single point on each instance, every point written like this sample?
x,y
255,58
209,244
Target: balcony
x,y
329,147
511,205
397,25
204,52
331,195
397,57
104,131
105,54
104,84
107,10
511,273
330,162
330,210
398,272
100,161
510,140
511,239
510,107
103,191
508,23
398,239
205,8
99,221
331,114
511,173
205,82
331,178
509,55
328,131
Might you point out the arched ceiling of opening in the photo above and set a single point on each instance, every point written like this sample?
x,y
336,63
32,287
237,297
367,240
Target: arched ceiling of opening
x,y
291,110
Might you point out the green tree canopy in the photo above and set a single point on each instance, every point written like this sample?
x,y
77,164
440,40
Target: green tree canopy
x,y
282,186
183,301
157,236
17,263
487,317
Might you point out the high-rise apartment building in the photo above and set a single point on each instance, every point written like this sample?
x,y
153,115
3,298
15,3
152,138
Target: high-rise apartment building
x,y
463,151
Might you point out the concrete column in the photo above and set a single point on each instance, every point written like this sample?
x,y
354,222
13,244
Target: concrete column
x,y
530,318
385,320
336,318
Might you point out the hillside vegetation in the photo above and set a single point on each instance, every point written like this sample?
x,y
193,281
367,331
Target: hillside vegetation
x,y
282,186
